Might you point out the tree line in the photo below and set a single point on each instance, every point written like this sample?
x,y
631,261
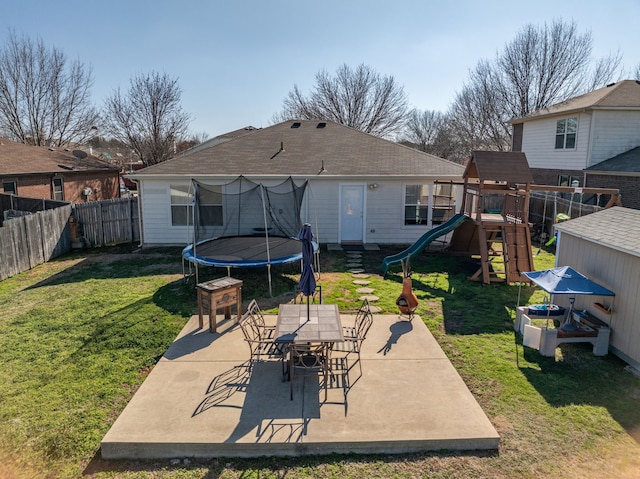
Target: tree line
x,y
45,98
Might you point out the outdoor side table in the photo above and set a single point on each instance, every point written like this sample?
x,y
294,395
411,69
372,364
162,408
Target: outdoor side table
x,y
219,294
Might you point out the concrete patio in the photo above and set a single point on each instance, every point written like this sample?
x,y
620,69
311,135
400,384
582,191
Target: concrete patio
x,y
202,400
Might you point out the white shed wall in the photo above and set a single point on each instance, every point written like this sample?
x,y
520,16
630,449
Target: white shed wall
x,y
538,143
617,271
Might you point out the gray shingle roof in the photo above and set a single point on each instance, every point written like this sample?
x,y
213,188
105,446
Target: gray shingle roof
x,y
621,95
20,159
303,148
627,162
617,228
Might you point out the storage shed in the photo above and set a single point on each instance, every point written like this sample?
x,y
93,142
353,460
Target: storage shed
x,y
605,246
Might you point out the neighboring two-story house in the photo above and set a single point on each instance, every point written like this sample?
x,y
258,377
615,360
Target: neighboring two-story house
x,y
55,173
589,140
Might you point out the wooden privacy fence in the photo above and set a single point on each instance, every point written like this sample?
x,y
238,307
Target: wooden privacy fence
x,y
108,222
29,239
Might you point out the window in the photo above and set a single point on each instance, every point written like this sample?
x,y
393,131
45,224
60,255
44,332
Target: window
x,y
566,180
211,205
416,204
182,205
444,198
566,133
58,189
10,187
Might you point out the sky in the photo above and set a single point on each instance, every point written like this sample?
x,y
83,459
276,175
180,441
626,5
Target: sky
x,y
236,61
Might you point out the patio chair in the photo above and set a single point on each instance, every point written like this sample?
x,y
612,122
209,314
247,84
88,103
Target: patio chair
x,y
316,297
355,335
258,336
266,332
309,359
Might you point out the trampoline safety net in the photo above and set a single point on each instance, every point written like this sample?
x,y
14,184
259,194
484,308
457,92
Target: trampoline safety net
x,y
246,208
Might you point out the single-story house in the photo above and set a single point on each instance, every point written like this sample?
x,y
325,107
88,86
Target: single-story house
x,y
59,174
361,188
591,140
604,246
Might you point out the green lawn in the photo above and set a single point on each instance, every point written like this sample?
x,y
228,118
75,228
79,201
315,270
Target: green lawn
x,y
78,335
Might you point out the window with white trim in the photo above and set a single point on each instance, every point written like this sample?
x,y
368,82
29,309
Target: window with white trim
x,y
416,204
182,205
566,130
444,203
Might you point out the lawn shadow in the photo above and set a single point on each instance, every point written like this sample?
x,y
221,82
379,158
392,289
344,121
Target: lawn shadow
x,y
445,279
579,377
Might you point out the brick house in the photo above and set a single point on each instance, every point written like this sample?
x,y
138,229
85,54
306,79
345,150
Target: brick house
x,y
55,173
590,140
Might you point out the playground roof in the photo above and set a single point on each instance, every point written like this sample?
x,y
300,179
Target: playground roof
x,y
508,166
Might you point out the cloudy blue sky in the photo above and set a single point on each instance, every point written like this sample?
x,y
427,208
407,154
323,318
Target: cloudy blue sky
x,y
237,60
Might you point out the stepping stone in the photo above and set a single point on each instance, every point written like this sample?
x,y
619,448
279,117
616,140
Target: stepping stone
x,y
361,282
365,290
375,309
356,271
369,298
360,275
354,254
354,265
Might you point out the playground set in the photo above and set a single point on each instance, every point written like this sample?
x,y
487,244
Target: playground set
x,y
500,236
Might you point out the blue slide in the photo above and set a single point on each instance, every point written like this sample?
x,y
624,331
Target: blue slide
x,y
424,241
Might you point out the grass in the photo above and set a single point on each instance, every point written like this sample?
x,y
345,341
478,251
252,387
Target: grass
x,y
78,335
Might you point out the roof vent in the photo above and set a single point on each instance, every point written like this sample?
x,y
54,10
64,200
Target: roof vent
x,y
611,84
322,124
296,125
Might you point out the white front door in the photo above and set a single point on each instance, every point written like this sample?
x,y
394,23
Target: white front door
x,y
351,213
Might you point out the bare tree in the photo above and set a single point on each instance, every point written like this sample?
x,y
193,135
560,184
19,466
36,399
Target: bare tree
x,y
148,118
44,99
431,131
360,98
538,68
636,72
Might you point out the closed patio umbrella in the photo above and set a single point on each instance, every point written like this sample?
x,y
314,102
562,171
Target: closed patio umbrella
x,y
307,282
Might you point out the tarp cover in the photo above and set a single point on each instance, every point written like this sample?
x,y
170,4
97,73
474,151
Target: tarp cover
x,y
566,280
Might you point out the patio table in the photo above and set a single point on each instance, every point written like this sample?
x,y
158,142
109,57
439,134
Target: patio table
x,y
322,325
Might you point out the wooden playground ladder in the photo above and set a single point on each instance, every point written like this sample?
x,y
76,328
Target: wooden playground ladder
x,y
514,254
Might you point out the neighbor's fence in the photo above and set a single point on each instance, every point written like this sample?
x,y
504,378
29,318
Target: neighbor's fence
x,y
32,232
108,222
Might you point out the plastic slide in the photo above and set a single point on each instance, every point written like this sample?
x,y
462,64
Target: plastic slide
x,y
424,241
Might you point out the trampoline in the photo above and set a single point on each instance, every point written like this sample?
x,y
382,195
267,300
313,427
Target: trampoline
x,y
245,251
243,224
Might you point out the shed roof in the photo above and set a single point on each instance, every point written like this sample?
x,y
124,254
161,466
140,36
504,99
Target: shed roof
x,y
508,166
20,159
305,148
617,228
621,95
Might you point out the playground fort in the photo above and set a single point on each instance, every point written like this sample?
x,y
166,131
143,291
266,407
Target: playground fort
x,y
494,221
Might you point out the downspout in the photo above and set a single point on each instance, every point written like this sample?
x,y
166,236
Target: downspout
x,y
139,188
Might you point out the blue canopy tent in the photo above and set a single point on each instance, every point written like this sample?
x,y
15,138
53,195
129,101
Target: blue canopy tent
x,y
566,280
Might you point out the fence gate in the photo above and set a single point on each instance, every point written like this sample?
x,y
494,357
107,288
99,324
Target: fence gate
x,y
108,222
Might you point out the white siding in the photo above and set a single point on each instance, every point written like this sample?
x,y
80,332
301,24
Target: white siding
x,y
538,144
383,213
614,132
156,214
617,271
